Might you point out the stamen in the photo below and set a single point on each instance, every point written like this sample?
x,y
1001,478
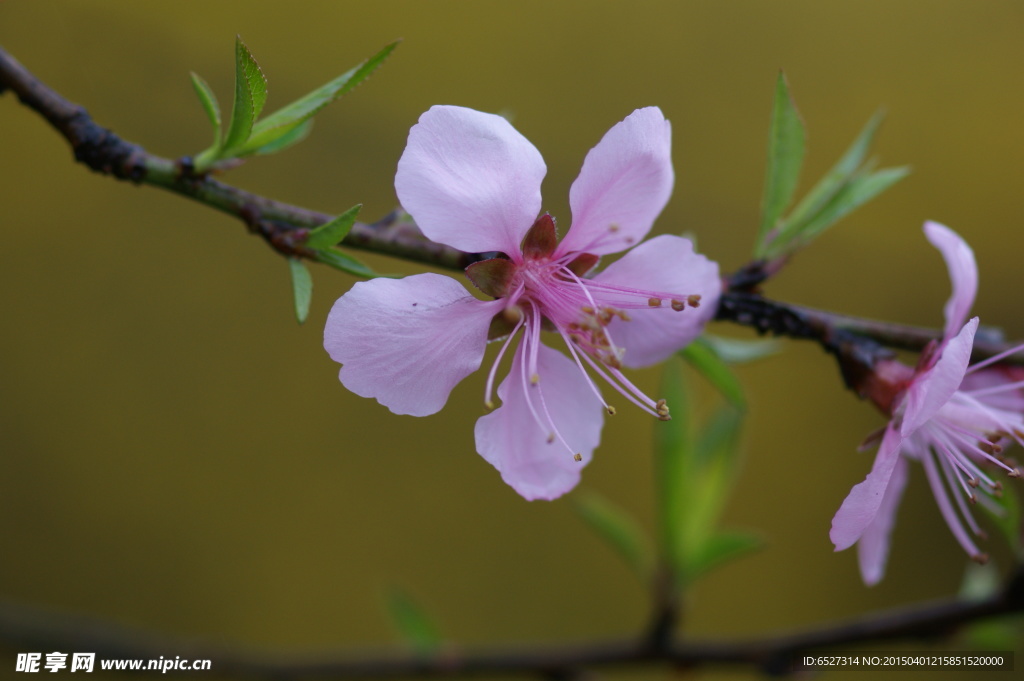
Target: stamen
x,y
488,391
995,358
610,409
942,499
654,302
577,456
693,300
535,379
678,305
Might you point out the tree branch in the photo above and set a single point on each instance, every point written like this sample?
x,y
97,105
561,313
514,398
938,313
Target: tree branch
x,y
32,629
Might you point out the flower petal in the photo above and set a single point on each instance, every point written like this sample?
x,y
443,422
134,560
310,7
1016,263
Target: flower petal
x,y
625,183
663,264
873,547
470,180
511,440
963,273
931,390
408,342
862,504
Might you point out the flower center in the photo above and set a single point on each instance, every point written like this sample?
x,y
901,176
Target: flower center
x,y
547,293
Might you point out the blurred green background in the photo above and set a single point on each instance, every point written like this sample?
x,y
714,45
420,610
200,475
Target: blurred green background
x,y
177,454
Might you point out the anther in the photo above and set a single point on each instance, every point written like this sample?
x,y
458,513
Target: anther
x,y
661,407
578,456
512,314
694,300
1014,473
551,438
535,379
613,228
678,305
586,309
997,486
664,417
972,499
989,447
980,558
972,482
654,302
611,410
489,405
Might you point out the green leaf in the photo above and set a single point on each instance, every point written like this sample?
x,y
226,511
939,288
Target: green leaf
x,y
721,548
331,233
210,105
412,622
618,529
290,138
673,450
302,288
858,191
785,156
736,351
837,177
711,474
345,263
702,356
283,120
250,95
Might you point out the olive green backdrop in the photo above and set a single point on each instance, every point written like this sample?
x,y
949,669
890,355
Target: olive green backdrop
x,y
177,454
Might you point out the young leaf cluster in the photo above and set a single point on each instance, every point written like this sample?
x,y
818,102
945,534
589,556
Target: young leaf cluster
x,y
322,242
245,133
852,182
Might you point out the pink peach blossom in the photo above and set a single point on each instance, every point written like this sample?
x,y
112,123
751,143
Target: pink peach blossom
x,y
472,182
948,416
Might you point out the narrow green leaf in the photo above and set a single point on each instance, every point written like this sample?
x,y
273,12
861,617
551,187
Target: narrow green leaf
x,y
412,622
289,137
301,109
722,548
785,156
673,449
715,469
838,176
736,351
858,191
250,95
210,105
302,288
331,233
618,529
345,263
702,356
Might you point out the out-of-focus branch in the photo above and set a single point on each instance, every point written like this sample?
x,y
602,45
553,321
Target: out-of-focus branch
x,y
32,629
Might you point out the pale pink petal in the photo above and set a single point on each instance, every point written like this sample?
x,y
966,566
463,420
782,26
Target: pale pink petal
x,y
863,502
408,342
963,273
662,264
931,390
511,440
625,182
470,180
873,547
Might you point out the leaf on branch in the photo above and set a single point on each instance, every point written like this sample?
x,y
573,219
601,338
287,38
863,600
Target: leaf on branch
x,y
619,530
346,263
210,105
785,157
285,120
695,473
291,138
411,621
848,185
250,95
736,351
302,288
703,357
331,233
